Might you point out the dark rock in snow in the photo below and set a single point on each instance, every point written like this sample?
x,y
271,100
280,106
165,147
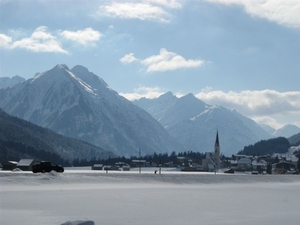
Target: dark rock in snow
x,y
79,222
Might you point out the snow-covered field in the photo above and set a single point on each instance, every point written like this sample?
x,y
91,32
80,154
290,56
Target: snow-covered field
x,y
130,198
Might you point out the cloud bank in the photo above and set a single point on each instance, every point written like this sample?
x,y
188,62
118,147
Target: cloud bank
x,y
128,10
282,12
264,106
144,92
87,36
41,40
151,10
164,61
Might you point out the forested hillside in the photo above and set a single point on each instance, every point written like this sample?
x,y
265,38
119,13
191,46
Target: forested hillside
x,y
295,140
22,139
275,145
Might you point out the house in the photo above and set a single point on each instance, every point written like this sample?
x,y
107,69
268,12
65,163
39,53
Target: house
x,y
97,167
259,165
26,164
138,162
9,165
284,167
244,163
122,166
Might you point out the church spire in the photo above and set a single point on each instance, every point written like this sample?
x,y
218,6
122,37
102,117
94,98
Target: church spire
x,y
217,140
217,152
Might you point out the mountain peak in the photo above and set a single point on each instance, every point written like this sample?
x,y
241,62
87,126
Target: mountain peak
x,y
9,82
191,99
58,71
167,95
90,78
80,69
190,96
79,104
287,130
61,66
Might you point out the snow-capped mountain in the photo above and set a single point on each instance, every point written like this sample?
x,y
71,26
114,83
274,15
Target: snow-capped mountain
x,y
9,82
79,104
287,131
194,123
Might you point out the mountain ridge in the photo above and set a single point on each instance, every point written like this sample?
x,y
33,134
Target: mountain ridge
x,y
79,104
194,124
10,81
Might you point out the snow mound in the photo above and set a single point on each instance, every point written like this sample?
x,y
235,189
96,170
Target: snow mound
x,y
79,222
53,173
17,170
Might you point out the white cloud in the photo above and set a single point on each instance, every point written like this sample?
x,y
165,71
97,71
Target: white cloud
x,y
131,10
84,37
146,92
43,41
5,41
128,58
165,61
39,41
268,120
169,61
279,11
264,105
167,3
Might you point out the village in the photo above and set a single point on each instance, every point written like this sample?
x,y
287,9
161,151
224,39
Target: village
x,y
276,163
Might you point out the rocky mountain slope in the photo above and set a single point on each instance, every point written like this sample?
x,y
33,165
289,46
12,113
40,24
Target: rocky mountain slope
x,y
9,82
79,104
22,139
287,131
194,123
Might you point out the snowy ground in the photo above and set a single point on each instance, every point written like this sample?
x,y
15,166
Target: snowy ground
x,y
130,198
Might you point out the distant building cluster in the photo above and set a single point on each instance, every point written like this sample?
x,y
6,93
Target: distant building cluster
x,y
277,163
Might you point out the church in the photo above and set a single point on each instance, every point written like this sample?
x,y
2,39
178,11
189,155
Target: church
x,y
212,160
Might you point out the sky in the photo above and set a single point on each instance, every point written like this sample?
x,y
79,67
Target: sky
x,y
240,54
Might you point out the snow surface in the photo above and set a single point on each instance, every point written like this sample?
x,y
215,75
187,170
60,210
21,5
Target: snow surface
x,y
82,196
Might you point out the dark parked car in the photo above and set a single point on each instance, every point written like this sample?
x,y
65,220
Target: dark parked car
x,y
44,166
229,171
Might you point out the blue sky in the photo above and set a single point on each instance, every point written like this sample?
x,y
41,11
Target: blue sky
x,y
240,54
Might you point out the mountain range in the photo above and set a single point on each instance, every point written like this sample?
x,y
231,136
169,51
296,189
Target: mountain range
x,y
194,123
9,82
79,104
22,139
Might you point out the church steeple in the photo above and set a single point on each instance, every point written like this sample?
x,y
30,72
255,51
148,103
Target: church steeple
x,y
217,144
217,151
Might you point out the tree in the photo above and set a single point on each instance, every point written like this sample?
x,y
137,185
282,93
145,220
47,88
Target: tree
x,y
298,165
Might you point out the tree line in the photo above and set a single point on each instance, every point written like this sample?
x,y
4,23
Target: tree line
x,y
155,158
14,151
265,147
